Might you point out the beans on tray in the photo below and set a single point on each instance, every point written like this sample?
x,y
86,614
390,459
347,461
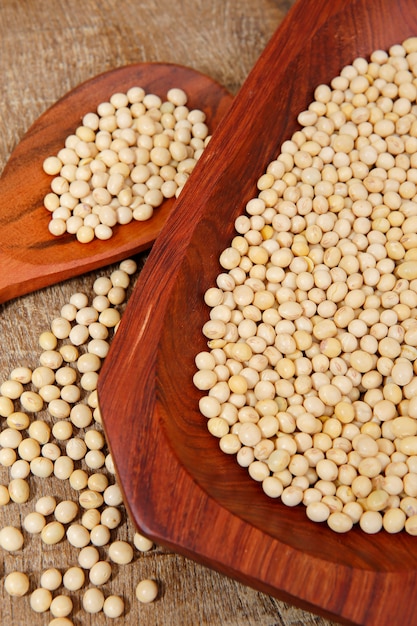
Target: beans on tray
x,y
135,151
52,429
310,372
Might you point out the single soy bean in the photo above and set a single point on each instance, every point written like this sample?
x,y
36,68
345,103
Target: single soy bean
x,y
147,591
16,584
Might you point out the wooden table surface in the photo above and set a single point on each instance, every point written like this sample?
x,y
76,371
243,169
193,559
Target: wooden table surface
x,y
47,48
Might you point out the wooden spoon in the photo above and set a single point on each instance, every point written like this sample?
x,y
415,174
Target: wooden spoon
x,y
30,257
179,488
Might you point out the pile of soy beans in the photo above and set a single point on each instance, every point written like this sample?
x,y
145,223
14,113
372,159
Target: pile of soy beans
x,y
51,429
309,376
122,162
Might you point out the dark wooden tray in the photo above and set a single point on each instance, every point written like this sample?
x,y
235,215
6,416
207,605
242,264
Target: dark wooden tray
x,y
179,488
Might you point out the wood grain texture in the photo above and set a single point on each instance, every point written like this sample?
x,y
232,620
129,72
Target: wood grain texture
x,y
34,256
47,48
356,579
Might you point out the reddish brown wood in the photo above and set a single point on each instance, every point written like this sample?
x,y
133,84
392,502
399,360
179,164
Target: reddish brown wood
x,y
30,257
180,489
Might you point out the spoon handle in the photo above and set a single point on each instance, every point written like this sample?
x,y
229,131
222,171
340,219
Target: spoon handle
x,y
9,269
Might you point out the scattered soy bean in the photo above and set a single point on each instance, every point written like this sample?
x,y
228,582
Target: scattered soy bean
x,y
19,469
66,511
34,522
40,600
11,538
78,535
100,535
147,591
93,600
88,556
91,518
51,579
113,606
61,606
89,499
113,495
45,505
16,584
111,517
4,495
7,457
31,445
100,573
52,533
121,552
73,578
141,543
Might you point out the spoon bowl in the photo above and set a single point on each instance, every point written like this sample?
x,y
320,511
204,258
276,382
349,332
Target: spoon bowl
x,y
34,258
180,489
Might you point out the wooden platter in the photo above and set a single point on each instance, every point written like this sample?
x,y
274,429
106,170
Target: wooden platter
x,y
179,488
